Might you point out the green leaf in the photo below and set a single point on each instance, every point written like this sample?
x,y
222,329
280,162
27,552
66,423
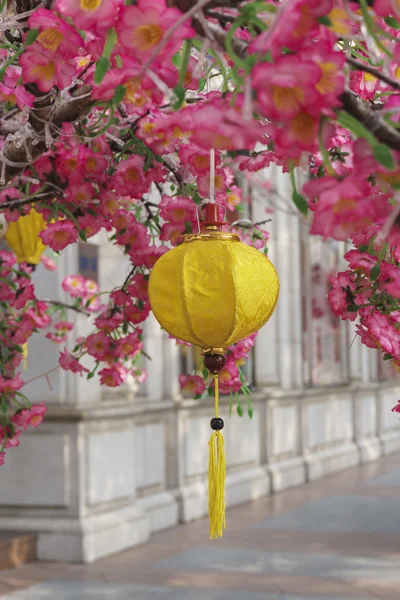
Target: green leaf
x,y
239,409
375,271
325,20
110,43
392,22
387,356
119,94
205,373
250,412
210,391
101,69
90,375
179,92
197,396
185,57
300,202
349,122
31,37
352,308
148,161
363,247
384,156
82,235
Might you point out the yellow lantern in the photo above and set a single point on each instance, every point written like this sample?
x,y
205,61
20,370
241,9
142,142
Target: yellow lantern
x,y
213,291
23,238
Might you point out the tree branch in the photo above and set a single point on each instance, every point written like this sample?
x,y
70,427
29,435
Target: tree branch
x,y
12,204
360,66
45,111
371,120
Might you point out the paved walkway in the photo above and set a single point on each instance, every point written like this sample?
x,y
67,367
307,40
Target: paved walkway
x,y
335,539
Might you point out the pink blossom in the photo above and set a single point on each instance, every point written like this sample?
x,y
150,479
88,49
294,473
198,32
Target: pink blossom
x,y
142,27
59,235
36,414
13,440
343,207
390,279
136,313
383,333
129,346
98,345
138,286
69,363
16,95
64,326
113,376
177,209
340,296
172,232
10,386
55,35
179,342
48,263
286,86
149,256
74,285
86,14
360,260
109,321
297,23
46,69
91,287
192,384
228,373
130,177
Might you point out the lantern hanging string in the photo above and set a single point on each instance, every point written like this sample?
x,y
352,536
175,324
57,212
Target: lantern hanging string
x,y
212,152
212,175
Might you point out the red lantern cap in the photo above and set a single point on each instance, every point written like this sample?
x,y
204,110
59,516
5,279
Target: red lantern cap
x,y
212,216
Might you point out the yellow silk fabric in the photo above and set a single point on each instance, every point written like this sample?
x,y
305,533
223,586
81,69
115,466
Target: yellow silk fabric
x,y
23,237
213,293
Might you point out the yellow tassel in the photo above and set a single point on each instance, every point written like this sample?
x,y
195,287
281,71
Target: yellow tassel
x,y
216,477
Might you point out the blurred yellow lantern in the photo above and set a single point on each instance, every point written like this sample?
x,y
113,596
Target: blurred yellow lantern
x,y
213,291
23,238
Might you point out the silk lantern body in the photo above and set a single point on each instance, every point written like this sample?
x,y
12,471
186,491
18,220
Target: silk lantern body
x,y
23,237
213,290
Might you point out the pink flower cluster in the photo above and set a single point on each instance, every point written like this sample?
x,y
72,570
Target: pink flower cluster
x,y
230,377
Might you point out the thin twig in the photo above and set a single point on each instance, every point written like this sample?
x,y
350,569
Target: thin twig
x,y
12,204
68,306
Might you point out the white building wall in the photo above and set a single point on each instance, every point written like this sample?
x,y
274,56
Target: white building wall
x,y
106,469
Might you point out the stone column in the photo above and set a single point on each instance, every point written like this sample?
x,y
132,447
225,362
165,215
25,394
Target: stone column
x,y
278,351
73,480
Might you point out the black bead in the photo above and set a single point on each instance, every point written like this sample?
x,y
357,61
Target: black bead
x,y
214,362
217,424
